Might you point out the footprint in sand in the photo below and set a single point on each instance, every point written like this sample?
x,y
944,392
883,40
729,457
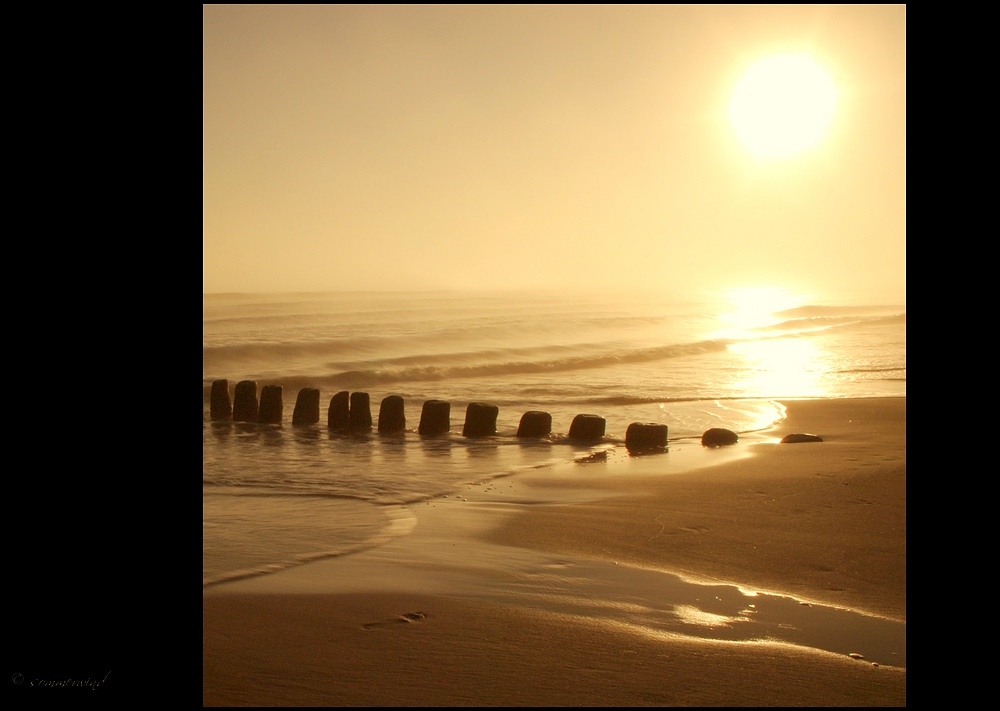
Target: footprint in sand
x,y
406,618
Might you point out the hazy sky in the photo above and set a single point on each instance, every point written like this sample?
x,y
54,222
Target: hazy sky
x,y
555,147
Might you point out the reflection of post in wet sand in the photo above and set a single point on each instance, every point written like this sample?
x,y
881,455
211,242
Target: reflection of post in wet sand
x,y
222,429
247,429
394,452
306,434
271,435
482,450
439,446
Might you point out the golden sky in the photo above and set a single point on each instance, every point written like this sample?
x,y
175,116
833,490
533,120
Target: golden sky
x,y
547,147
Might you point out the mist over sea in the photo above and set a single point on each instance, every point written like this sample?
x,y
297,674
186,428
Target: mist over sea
x,y
278,495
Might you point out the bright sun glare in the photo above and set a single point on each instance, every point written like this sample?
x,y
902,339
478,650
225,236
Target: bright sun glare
x,y
753,307
782,105
773,364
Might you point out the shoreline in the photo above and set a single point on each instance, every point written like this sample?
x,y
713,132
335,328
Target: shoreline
x,y
824,522
855,508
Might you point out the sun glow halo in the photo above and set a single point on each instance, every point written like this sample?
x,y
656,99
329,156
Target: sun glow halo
x,y
782,105
754,307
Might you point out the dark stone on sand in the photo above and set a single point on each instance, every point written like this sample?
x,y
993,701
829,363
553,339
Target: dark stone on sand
x,y
645,437
719,437
435,417
245,401
800,437
587,427
339,415
306,410
480,420
361,412
270,405
390,414
535,424
221,408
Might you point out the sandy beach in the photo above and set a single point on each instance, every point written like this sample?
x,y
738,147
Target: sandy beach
x,y
422,223
431,619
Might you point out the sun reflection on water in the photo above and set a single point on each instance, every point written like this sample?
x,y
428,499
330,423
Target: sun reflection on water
x,y
749,308
781,367
691,615
773,366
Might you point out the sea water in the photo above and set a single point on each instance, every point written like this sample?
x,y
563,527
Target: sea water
x,y
279,495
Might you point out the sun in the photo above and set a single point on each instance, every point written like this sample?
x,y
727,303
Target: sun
x,y
783,105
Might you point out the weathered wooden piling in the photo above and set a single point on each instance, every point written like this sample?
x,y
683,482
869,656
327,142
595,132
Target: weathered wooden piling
x,y
245,401
587,427
361,412
339,415
435,417
306,410
221,407
645,437
535,424
390,415
270,405
480,420
719,437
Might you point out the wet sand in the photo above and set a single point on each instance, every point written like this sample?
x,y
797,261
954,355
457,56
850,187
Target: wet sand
x,y
824,522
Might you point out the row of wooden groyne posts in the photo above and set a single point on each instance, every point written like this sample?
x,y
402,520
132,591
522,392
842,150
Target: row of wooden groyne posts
x,y
352,411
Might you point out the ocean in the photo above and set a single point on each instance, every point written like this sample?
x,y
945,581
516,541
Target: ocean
x,y
279,495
